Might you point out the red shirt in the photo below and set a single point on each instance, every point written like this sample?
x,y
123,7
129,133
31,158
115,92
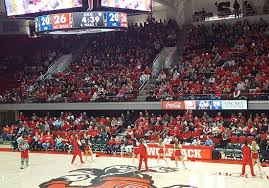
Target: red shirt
x,y
48,139
246,154
76,146
142,150
7,130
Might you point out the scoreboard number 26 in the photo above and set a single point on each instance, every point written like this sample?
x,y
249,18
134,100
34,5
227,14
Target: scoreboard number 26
x,y
59,19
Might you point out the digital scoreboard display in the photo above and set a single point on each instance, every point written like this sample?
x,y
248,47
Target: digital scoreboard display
x,y
116,19
89,19
77,20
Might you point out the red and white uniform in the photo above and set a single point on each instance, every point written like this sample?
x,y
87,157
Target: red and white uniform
x,y
77,151
247,160
161,147
255,154
177,148
143,156
25,153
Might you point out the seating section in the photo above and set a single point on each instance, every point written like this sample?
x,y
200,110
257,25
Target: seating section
x,y
221,61
47,132
23,61
110,67
197,128
105,133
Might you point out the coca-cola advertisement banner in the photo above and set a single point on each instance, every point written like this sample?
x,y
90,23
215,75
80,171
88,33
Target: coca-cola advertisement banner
x,y
190,152
173,105
205,105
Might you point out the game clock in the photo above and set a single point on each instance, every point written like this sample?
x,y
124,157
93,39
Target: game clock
x,y
88,19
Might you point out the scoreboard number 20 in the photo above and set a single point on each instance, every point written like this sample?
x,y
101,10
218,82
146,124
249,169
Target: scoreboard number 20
x,y
45,20
114,17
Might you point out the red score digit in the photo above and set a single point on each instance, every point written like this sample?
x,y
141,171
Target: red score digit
x,y
61,21
123,20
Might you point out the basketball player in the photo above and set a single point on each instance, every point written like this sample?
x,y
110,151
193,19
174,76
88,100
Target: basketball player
x,y
77,151
23,147
178,154
255,155
143,155
135,150
161,152
247,160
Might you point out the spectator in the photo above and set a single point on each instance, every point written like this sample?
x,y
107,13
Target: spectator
x,y
208,142
236,7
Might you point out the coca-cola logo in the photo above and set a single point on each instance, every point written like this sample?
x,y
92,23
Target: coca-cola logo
x,y
173,105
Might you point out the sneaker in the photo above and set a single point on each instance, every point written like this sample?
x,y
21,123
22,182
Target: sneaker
x,y
242,175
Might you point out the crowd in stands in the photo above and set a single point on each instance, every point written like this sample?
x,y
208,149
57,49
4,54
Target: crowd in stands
x,y
192,128
112,67
19,74
55,132
221,61
24,62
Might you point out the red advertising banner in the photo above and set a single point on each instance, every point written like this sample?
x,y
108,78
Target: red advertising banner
x,y
192,152
173,105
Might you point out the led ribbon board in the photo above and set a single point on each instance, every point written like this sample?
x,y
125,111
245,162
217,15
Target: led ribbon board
x,y
81,20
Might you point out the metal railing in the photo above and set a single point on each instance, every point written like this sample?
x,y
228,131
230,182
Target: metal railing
x,y
142,87
151,98
33,87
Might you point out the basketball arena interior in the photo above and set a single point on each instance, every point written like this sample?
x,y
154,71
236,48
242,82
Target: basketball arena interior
x,y
134,93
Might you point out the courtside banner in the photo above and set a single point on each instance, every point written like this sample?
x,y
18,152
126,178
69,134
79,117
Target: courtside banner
x,y
191,152
173,105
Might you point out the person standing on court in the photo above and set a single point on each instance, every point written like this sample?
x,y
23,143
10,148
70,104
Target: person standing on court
x,y
143,155
247,159
77,150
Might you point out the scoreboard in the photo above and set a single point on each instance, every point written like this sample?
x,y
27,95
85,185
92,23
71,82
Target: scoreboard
x,y
77,20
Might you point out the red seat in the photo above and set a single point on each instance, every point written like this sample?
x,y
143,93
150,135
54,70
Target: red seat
x,y
250,139
216,141
234,139
242,139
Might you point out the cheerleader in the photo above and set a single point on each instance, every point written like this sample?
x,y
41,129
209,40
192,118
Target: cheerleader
x,y
255,155
178,154
77,150
23,147
161,152
135,150
88,149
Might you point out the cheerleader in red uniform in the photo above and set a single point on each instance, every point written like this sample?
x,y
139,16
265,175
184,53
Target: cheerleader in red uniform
x,y
143,155
161,152
88,149
135,150
77,150
255,155
178,154
247,159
